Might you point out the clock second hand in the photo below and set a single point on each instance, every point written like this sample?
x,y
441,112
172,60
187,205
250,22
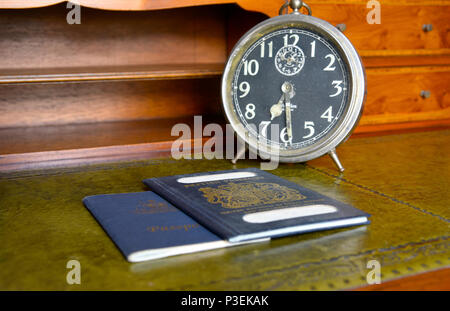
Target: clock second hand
x,y
287,89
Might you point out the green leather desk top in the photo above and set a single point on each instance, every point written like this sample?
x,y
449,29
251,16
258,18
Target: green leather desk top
x,y
402,180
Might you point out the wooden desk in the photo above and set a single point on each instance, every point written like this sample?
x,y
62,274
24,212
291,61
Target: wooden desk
x,y
401,180
110,89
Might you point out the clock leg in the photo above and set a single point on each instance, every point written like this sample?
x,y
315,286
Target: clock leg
x,y
240,152
336,161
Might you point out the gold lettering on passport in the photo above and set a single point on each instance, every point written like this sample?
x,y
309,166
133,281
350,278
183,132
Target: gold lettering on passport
x,y
240,195
153,207
185,227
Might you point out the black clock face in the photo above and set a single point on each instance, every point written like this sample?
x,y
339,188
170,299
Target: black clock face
x,y
293,78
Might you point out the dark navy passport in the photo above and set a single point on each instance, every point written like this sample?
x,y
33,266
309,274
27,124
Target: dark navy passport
x,y
144,226
246,204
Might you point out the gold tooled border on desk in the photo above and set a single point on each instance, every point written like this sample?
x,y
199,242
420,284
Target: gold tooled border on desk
x,y
414,252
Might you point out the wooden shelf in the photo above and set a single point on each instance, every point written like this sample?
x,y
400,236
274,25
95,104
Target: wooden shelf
x,y
78,144
144,72
68,145
63,137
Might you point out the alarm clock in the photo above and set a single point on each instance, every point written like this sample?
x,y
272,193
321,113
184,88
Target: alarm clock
x,y
294,86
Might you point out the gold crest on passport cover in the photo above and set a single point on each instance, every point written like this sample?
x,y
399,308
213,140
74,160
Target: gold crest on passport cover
x,y
240,195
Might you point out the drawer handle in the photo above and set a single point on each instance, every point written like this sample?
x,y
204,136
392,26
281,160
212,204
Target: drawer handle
x,y
425,94
427,27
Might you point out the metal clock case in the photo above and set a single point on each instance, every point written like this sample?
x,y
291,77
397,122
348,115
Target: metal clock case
x,y
289,61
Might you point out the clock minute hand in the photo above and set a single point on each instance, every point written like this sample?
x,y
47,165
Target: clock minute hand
x,y
287,89
287,103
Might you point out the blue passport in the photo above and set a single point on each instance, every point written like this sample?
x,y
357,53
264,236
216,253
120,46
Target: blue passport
x,y
246,204
144,226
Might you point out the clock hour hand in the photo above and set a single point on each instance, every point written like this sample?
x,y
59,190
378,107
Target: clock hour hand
x,y
277,109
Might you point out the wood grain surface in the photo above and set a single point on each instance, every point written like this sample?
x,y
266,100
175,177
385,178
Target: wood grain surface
x,y
42,38
438,280
75,103
394,95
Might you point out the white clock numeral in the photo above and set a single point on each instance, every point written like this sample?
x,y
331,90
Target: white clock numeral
x,y
309,125
287,37
251,67
263,128
328,114
337,85
270,46
245,88
250,111
284,136
330,66
313,49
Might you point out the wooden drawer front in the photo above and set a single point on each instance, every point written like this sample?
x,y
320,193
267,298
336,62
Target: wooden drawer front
x,y
400,27
394,95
